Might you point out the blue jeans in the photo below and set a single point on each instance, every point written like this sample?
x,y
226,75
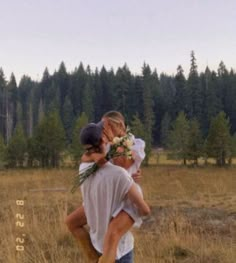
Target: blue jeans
x,y
128,258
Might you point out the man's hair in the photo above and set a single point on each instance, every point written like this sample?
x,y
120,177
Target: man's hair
x,y
91,136
114,115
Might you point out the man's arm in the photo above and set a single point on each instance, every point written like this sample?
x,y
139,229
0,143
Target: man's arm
x,y
116,229
135,196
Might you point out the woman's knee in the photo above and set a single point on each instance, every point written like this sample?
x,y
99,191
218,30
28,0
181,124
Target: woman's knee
x,y
76,219
69,223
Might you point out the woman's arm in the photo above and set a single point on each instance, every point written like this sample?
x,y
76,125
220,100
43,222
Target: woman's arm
x,y
123,161
100,159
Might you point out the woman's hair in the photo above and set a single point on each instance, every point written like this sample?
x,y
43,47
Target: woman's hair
x,y
114,116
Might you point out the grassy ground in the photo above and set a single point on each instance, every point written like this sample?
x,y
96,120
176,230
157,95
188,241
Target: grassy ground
x,y
193,216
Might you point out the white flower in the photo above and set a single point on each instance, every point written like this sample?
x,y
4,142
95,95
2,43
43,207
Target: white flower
x,y
128,143
129,155
116,140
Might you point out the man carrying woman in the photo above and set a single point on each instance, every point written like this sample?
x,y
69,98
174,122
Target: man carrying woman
x,y
104,210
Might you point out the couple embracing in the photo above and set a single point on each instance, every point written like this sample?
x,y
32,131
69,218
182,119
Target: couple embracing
x,y
112,201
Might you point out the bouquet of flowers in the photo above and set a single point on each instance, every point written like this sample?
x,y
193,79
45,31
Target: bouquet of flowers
x,y
121,146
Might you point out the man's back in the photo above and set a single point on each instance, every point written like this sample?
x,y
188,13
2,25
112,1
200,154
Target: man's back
x,y
102,193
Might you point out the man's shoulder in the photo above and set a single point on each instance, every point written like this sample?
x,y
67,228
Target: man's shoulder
x,y
115,169
117,175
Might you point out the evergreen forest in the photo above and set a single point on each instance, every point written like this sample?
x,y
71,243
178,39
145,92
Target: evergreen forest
x,y
193,116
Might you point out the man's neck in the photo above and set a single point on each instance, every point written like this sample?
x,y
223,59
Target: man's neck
x,y
92,157
86,158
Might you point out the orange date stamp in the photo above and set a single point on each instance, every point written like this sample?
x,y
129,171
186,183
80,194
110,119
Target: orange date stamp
x,y
20,224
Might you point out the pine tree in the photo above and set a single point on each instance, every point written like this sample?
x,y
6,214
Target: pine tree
x,y
17,148
179,137
19,114
232,149
165,129
56,138
87,103
165,101
230,99
219,139
148,114
137,96
195,141
26,87
2,152
107,93
68,118
12,104
167,95
137,127
211,102
89,94
180,95
223,87
76,147
156,108
62,82
97,99
222,70
32,152
44,86
54,101
50,140
121,89
78,82
41,97
3,100
194,101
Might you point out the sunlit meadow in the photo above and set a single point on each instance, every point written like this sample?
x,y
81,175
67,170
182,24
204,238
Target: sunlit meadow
x,y
193,216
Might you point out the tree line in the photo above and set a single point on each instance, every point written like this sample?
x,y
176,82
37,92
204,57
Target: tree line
x,y
185,140
32,109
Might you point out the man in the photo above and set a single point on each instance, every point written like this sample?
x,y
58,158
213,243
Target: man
x,y
104,192
113,125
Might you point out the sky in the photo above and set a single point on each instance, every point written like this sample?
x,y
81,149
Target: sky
x,y
36,34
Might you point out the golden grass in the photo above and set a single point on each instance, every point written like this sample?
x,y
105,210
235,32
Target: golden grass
x,y
193,216
161,157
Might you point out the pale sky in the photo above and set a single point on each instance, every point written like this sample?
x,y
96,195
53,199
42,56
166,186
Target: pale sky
x,y
41,33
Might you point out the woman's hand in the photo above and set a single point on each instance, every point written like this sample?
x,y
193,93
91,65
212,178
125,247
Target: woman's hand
x,y
137,176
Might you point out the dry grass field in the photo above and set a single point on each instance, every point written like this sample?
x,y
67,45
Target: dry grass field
x,y
193,216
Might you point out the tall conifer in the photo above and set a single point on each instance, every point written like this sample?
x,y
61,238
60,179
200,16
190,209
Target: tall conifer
x,y
219,139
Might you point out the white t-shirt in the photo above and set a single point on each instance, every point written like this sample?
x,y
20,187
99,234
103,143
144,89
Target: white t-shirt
x,y
102,193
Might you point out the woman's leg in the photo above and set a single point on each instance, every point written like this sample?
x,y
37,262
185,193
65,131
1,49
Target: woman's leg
x,y
116,229
75,223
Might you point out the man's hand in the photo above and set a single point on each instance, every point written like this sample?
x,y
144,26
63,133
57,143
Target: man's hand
x,y
107,131
137,176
